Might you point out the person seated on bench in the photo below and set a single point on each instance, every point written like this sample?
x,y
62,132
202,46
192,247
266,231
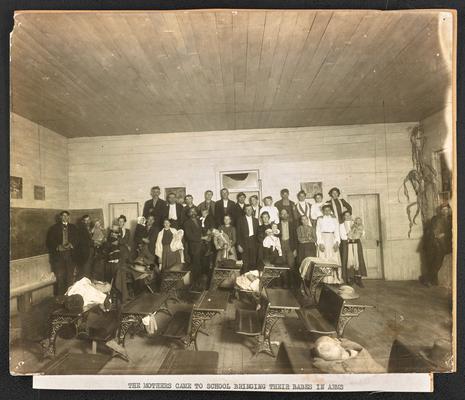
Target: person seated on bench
x,y
272,252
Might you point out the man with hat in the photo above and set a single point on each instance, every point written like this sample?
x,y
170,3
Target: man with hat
x,y
338,206
62,240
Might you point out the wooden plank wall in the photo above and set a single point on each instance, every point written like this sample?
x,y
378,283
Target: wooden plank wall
x,y
40,157
357,158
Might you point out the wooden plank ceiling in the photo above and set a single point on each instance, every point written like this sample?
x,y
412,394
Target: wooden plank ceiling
x,y
93,74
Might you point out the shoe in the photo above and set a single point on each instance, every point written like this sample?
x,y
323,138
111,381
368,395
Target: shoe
x,y
358,281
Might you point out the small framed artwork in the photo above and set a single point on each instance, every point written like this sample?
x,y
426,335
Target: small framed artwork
x,y
16,187
311,188
39,192
180,193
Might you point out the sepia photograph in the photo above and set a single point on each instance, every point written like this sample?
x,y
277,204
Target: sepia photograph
x,y
232,192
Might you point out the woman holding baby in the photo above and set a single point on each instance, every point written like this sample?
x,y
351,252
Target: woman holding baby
x,y
353,264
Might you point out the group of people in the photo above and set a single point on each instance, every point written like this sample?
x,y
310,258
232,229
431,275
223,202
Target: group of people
x,y
213,233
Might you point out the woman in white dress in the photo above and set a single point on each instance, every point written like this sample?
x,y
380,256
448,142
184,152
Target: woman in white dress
x,y
328,240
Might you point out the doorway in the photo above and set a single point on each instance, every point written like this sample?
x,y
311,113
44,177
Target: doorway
x,y
366,206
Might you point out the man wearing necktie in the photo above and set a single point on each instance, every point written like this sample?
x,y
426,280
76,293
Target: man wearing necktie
x,y
62,240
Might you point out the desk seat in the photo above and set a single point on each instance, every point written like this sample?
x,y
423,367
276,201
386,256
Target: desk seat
x,y
178,326
77,364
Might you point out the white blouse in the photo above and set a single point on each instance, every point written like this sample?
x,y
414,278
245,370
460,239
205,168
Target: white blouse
x,y
327,224
316,210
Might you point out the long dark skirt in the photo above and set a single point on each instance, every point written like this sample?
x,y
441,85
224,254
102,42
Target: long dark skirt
x,y
349,272
305,250
169,258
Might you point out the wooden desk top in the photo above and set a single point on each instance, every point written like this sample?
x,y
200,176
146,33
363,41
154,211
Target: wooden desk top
x,y
189,362
176,268
66,313
282,299
276,267
212,300
146,303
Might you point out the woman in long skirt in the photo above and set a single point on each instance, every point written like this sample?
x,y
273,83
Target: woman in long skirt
x,y
306,238
168,247
353,262
328,240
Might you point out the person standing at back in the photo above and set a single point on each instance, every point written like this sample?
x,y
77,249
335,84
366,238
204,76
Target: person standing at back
x,y
85,249
286,204
155,206
247,239
223,207
338,205
207,204
62,241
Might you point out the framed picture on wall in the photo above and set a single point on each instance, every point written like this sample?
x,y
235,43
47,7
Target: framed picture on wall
x,y
311,188
180,193
39,192
246,181
16,187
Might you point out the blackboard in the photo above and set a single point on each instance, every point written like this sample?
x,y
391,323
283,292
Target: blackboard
x,y
29,226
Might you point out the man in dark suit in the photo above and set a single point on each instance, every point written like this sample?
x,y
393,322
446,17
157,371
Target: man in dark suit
x,y
288,237
193,236
223,207
155,206
247,239
338,206
240,205
173,211
62,242
85,249
188,206
286,204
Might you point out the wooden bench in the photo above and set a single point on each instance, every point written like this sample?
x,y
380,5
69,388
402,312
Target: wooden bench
x,y
188,362
331,315
23,293
252,322
179,326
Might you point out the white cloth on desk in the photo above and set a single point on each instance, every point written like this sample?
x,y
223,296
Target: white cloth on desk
x,y
249,281
90,294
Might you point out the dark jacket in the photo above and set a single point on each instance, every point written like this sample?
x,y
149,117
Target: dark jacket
x,y
192,231
291,210
84,243
179,215
185,212
211,207
292,234
338,212
243,230
209,223
238,211
219,212
157,212
55,238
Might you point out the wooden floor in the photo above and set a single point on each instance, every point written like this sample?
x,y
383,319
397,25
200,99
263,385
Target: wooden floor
x,y
405,309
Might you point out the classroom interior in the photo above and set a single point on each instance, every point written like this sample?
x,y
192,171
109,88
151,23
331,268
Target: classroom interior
x,y
106,105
